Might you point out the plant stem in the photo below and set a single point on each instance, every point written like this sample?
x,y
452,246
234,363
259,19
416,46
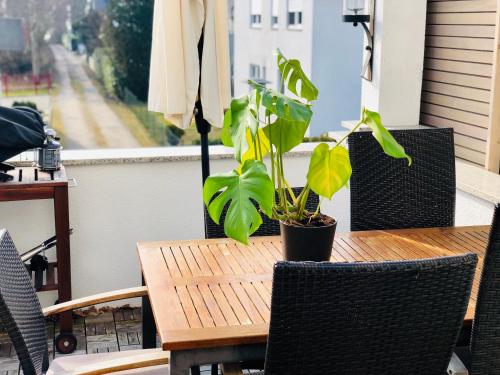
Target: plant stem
x,y
278,176
257,146
273,170
291,193
302,202
282,177
255,151
349,133
316,213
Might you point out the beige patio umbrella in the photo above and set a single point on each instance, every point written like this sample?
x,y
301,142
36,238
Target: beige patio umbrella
x,y
175,81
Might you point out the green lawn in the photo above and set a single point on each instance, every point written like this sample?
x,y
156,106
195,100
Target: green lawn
x,y
26,92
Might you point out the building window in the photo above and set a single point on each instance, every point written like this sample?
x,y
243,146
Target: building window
x,y
258,73
294,14
275,14
256,13
254,71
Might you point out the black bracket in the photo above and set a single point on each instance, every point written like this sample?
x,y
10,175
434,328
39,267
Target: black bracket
x,y
366,72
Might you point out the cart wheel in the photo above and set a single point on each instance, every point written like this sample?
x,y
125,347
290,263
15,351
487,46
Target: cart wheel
x,y
65,343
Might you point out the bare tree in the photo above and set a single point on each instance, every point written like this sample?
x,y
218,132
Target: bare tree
x,y
41,17
40,21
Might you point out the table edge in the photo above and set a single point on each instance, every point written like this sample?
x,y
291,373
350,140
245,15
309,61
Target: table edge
x,y
378,232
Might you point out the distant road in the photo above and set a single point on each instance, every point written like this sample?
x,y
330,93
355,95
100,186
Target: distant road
x,y
82,115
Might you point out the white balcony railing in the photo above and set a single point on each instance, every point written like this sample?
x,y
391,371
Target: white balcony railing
x,y
124,196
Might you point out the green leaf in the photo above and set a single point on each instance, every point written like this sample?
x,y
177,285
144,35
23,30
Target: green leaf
x,y
242,218
329,170
390,146
226,129
251,153
240,117
282,106
285,135
292,74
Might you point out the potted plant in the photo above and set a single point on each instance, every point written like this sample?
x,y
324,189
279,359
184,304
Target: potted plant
x,y
262,127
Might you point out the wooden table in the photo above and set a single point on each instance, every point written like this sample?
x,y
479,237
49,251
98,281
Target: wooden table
x,y
30,183
211,298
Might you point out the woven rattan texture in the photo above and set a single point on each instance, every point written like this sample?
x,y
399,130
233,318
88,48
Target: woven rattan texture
x,y
268,228
388,318
485,340
386,193
20,310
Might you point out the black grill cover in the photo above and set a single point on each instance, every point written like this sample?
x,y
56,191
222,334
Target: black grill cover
x,y
21,129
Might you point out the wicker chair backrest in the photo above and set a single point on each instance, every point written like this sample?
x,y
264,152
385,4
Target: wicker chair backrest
x,y
386,193
20,311
387,318
485,339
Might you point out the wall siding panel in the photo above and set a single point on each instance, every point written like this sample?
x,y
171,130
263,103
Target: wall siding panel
x,y
458,71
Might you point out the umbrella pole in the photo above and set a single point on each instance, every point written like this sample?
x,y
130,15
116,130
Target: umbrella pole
x,y
203,128
202,125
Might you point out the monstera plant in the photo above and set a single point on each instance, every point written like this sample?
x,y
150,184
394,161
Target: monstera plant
x,y
262,127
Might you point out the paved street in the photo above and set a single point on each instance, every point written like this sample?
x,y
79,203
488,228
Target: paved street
x,y
87,121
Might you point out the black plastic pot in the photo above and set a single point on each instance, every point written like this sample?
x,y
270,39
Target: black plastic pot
x,y
307,243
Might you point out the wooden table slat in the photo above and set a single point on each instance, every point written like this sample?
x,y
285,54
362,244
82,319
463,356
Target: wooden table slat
x,y
188,307
201,261
210,259
209,293
163,295
235,304
224,305
201,307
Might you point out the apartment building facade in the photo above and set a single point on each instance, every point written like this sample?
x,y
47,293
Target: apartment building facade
x,y
311,31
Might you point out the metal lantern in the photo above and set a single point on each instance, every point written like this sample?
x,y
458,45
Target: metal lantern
x,y
48,157
357,11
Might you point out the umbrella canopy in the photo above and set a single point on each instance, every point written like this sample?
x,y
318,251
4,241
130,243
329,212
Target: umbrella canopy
x,y
175,80
20,130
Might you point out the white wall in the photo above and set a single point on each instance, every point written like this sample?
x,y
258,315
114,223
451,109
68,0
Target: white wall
x,y
398,62
472,210
256,46
337,61
116,205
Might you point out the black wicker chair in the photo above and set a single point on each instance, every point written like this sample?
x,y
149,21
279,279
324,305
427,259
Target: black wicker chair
x,y
388,194
22,317
482,357
388,318
268,228
20,311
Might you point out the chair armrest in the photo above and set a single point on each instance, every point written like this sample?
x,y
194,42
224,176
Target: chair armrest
x,y
231,369
457,367
156,358
96,299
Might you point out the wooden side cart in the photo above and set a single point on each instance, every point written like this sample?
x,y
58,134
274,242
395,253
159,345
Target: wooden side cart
x,y
29,183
